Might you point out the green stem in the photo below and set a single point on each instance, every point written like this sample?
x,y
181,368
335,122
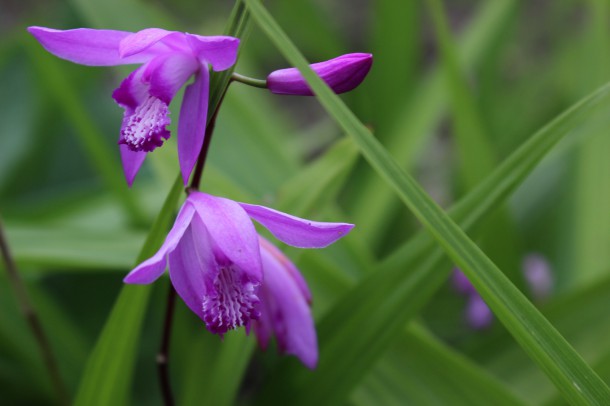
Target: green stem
x,y
260,83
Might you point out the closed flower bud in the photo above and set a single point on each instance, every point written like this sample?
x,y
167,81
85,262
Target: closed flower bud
x,y
342,74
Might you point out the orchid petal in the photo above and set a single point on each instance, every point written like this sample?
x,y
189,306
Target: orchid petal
x,y
192,122
218,51
290,315
188,265
287,265
151,269
232,231
142,40
132,161
166,74
296,231
87,46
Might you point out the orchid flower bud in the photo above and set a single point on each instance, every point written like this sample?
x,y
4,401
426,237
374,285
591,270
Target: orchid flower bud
x,y
342,74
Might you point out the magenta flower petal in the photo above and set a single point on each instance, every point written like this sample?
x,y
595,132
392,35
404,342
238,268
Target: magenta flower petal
x,y
188,264
232,231
168,73
87,46
296,231
151,269
285,309
341,74
192,122
478,314
132,161
218,51
142,40
146,116
170,58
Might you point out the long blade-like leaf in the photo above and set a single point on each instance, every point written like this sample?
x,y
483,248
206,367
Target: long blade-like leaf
x,y
573,377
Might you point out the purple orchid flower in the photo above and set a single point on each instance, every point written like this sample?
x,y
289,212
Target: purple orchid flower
x,y
169,59
342,74
285,307
229,276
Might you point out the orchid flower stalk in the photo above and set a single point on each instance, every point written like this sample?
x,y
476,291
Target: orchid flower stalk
x,y
169,59
229,276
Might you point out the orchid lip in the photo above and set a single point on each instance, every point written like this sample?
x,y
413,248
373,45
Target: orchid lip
x,y
144,130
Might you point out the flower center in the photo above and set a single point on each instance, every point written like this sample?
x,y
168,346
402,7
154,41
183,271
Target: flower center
x,y
232,302
144,130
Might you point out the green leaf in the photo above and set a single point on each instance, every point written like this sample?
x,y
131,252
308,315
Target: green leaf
x,y
421,370
108,374
74,249
575,379
475,154
376,204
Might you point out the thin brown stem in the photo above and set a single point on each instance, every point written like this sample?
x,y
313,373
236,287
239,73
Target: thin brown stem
x,y
27,309
203,154
163,355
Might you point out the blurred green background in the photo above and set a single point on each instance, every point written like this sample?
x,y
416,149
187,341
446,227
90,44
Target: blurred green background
x,y
75,228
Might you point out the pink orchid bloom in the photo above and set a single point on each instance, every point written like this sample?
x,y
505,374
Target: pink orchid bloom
x,y
168,60
230,277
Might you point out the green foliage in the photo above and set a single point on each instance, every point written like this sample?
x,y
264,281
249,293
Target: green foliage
x,y
474,103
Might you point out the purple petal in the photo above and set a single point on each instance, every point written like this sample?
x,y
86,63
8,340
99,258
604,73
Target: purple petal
x,y
166,74
296,231
142,40
461,282
87,46
146,115
192,122
341,74
189,263
538,275
478,314
218,51
231,230
287,312
149,270
132,161
292,270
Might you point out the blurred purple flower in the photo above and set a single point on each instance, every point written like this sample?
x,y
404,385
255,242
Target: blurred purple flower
x,y
169,59
478,315
342,74
229,276
461,283
538,275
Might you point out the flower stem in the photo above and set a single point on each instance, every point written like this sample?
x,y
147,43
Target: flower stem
x,y
163,355
32,319
260,83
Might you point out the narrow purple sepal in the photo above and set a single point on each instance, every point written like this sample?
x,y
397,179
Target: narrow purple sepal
x,y
142,40
132,161
151,269
341,74
192,122
296,231
87,46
